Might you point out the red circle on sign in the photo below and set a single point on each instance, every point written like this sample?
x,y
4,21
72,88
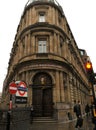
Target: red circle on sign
x,y
12,88
21,92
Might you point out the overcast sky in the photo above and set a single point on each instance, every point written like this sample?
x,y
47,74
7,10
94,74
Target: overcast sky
x,y
81,17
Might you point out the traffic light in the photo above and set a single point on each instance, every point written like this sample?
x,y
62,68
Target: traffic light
x,y
89,70
88,66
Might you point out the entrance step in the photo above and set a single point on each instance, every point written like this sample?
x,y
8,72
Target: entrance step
x,y
44,119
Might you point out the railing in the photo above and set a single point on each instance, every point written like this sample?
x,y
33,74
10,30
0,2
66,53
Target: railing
x,y
16,119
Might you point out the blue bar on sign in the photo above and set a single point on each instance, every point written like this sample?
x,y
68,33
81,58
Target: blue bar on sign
x,y
22,88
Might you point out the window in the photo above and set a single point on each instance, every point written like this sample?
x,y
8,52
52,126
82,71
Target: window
x,y
42,17
60,19
82,53
42,45
61,42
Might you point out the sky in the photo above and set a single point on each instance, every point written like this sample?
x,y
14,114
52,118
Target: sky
x,y
81,17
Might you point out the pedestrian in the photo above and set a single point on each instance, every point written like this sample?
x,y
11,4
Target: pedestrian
x,y
87,109
77,110
79,122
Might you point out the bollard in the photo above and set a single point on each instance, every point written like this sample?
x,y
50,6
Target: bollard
x,y
8,120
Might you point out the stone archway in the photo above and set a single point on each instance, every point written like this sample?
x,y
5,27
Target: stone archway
x,y
42,95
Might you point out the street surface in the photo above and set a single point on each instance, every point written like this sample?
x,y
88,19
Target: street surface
x,y
69,125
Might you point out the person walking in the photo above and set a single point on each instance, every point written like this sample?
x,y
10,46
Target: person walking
x,y
77,110
79,122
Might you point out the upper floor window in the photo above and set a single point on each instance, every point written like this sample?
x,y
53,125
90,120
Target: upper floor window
x,y
61,42
42,17
60,19
42,46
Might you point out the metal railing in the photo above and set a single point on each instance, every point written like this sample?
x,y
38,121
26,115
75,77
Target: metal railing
x,y
16,119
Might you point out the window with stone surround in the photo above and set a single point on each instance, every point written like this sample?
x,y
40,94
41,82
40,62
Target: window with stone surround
x,y
59,19
42,45
61,46
41,16
23,45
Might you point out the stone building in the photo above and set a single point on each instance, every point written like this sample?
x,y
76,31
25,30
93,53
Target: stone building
x,y
45,56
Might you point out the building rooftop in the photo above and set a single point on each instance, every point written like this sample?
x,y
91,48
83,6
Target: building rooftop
x,y
31,1
50,1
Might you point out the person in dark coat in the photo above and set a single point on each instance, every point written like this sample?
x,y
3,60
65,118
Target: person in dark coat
x,y
79,122
77,110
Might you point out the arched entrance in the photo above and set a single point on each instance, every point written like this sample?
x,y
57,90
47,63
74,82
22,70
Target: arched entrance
x,y
42,95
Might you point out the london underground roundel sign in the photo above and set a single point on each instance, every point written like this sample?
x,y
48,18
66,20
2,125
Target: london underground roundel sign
x,y
12,88
22,89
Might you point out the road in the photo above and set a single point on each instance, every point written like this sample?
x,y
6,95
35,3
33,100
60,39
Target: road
x,y
69,125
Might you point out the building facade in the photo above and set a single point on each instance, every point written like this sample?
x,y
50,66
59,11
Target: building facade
x,y
46,57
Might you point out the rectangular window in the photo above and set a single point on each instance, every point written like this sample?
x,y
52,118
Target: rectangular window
x,y
42,17
42,45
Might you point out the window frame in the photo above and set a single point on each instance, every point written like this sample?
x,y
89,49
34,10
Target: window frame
x,y
42,17
42,45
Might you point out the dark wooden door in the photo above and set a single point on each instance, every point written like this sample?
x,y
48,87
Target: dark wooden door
x,y
42,94
42,102
47,102
37,102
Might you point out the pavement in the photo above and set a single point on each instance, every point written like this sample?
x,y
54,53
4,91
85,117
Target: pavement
x,y
64,125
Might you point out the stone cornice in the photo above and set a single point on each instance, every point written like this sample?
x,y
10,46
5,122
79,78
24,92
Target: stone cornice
x,y
36,3
42,26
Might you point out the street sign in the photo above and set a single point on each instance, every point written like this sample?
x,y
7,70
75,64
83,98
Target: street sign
x,y
12,88
22,89
21,94
20,100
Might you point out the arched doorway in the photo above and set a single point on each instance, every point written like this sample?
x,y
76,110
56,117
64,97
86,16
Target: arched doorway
x,y
42,95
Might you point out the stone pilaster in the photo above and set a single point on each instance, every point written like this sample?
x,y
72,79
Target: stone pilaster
x,y
62,87
57,86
